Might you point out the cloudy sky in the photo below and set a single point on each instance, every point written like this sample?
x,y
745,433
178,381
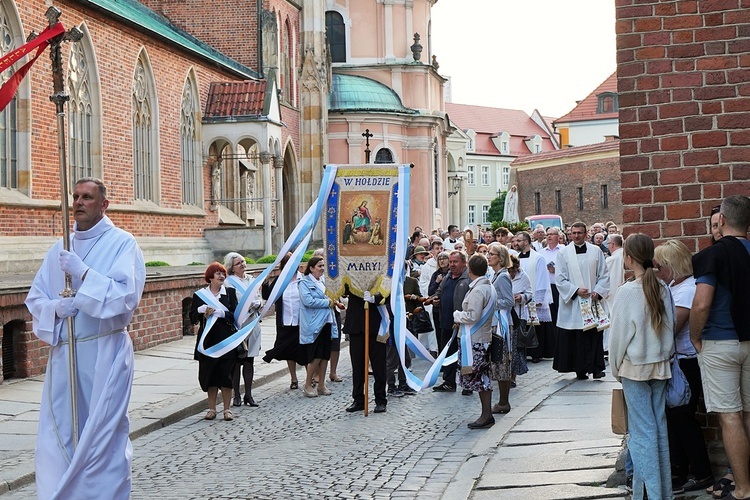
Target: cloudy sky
x,y
524,54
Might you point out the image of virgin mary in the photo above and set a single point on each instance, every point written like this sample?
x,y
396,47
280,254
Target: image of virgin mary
x,y
362,218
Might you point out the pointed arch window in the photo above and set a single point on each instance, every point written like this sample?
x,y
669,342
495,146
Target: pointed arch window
x,y
80,115
336,36
8,116
190,147
286,65
144,134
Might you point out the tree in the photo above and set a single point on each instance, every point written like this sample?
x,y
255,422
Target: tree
x,y
497,208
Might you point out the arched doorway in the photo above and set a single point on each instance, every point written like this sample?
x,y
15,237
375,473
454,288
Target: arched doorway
x,y
290,192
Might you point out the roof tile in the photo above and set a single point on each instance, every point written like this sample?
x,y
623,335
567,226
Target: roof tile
x,y
586,109
235,98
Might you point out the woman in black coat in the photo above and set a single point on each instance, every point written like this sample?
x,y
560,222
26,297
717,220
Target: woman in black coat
x,y
215,373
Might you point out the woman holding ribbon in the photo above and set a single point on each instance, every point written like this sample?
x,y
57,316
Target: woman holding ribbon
x,y
475,335
246,313
317,325
213,306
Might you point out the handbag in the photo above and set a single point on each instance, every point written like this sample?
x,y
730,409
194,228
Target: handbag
x,y
678,388
419,322
525,332
496,348
242,349
619,414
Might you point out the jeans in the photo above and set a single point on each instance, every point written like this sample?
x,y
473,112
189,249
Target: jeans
x,y
649,441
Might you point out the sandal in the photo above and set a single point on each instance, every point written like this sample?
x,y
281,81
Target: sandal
x,y
228,415
726,492
294,385
210,415
336,378
719,485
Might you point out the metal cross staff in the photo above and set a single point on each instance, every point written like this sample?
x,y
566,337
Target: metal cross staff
x,y
59,97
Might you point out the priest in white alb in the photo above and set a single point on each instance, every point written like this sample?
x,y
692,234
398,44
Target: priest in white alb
x,y
582,278
108,272
535,266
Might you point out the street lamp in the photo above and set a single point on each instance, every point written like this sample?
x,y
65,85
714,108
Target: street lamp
x,y
455,184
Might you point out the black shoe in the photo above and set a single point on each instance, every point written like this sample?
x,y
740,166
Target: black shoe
x,y
467,392
536,360
237,401
356,407
444,387
395,393
600,375
582,376
407,390
249,401
484,425
379,408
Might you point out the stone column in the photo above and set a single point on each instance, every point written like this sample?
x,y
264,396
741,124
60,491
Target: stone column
x,y
265,160
278,167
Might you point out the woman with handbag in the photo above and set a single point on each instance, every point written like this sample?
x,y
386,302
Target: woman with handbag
x,y
641,343
687,447
239,280
317,325
475,336
502,371
213,306
522,295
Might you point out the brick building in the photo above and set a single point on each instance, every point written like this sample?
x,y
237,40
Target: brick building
x,y
579,184
684,95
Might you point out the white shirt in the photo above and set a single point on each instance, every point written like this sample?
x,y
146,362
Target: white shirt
x,y
290,302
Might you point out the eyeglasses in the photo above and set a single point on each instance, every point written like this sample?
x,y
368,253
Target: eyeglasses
x,y
494,253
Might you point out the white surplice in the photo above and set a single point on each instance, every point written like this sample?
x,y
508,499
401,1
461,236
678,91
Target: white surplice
x,y
593,270
106,300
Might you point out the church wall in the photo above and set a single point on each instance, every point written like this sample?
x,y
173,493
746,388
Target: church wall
x,y
234,35
116,68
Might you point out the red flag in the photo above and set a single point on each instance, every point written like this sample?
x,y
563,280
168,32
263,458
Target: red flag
x,y
8,90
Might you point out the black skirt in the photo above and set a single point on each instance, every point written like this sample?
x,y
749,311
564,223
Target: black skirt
x,y
321,347
286,347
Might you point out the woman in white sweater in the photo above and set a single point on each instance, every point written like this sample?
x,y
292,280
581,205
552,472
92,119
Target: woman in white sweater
x,y
642,340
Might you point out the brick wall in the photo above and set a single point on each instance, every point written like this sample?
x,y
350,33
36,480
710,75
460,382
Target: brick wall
x,y
588,174
116,47
684,95
158,319
230,26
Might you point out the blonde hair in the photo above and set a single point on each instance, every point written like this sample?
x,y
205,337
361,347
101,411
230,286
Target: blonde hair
x,y
675,256
640,248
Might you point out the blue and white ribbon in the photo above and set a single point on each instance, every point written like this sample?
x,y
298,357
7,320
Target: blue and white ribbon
x,y
211,301
299,240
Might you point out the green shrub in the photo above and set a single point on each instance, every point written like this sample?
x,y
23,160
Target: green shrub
x,y
266,259
156,263
306,256
249,260
513,227
196,264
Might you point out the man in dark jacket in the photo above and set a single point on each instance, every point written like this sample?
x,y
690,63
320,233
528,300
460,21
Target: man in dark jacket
x,y
354,327
450,296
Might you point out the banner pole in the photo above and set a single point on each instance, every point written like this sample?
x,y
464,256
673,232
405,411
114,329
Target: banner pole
x,y
367,355
60,98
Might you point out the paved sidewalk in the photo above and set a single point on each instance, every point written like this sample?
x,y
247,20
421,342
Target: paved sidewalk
x,y
165,390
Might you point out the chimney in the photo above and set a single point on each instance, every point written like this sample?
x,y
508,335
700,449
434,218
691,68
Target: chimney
x,y
610,138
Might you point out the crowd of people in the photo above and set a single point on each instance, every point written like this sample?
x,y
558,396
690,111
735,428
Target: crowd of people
x,y
588,294
666,311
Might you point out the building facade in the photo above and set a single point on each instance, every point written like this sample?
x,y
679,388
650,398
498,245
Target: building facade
x,y
482,150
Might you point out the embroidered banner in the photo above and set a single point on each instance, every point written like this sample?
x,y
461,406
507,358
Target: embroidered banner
x,y
361,222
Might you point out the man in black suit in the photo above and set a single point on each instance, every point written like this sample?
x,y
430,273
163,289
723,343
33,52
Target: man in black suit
x,y
354,327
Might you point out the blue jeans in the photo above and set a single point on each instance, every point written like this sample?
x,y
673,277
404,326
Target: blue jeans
x,y
649,442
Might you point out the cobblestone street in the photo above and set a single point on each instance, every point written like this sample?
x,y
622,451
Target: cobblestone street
x,y
296,447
